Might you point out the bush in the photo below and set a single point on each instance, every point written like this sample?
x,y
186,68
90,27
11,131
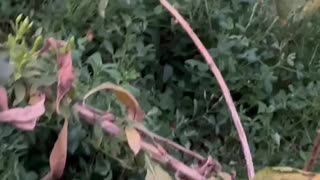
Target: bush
x,y
272,71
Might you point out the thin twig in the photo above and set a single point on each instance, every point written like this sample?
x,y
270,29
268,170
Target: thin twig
x,y
167,160
169,142
252,14
314,54
314,154
222,84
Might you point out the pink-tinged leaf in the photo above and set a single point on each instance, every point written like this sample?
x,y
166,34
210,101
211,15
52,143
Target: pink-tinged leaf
x,y
65,69
24,118
3,99
65,76
58,155
134,139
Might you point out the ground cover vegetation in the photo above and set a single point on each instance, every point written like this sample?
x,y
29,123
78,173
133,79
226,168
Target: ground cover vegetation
x,y
268,57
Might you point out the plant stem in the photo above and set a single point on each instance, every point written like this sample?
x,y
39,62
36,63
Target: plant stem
x,y
221,82
314,154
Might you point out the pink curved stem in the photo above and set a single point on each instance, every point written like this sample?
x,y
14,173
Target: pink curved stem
x,y
221,82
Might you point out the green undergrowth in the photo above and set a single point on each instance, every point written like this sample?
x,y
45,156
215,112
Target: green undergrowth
x,y
272,72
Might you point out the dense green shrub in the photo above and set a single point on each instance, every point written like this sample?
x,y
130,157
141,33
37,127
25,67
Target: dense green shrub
x,y
271,70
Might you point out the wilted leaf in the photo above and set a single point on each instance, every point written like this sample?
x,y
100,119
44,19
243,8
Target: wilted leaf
x,y
65,69
134,111
34,98
134,139
157,174
24,118
311,7
285,8
59,153
285,173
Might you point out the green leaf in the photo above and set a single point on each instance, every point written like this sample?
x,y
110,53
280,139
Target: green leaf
x,y
114,74
158,9
157,173
98,136
167,73
127,19
196,63
102,7
19,92
108,45
227,23
103,167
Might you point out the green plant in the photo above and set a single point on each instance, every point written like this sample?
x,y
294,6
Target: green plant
x,y
272,71
39,99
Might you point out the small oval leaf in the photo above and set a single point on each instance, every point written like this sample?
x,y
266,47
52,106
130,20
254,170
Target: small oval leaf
x,y
19,92
134,139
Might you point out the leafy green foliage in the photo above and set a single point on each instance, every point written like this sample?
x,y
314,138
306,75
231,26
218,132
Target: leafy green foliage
x,y
271,70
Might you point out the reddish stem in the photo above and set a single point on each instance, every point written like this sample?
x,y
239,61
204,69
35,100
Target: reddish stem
x,y
314,155
156,152
168,160
221,82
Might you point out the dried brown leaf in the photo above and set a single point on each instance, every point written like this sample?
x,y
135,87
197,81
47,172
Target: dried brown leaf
x,y
134,139
135,113
24,118
65,69
59,153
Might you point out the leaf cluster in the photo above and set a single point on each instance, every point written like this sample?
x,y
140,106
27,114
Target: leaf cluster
x,y
271,69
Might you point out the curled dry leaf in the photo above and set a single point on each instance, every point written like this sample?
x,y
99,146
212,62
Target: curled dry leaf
x,y
135,113
134,139
65,69
59,153
23,118
66,76
311,7
279,173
